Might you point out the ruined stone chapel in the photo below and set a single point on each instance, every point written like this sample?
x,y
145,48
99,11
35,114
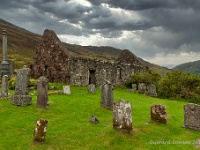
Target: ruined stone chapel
x,y
58,64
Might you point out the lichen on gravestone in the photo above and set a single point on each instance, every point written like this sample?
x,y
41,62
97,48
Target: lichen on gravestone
x,y
40,130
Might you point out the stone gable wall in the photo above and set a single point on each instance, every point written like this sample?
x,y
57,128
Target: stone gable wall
x,y
55,62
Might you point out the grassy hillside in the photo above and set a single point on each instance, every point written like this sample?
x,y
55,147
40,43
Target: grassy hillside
x,y
22,45
190,67
68,126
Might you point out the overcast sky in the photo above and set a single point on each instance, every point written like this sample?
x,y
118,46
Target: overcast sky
x,y
164,32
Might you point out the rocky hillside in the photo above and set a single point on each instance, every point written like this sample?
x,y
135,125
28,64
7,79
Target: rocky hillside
x,y
23,44
190,67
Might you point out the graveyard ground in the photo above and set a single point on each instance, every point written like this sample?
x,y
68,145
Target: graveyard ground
x,y
68,126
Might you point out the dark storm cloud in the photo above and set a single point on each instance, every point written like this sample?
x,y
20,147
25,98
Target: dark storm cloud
x,y
155,26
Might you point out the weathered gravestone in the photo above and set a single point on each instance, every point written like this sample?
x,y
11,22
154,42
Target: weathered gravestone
x,y
66,89
91,88
107,95
151,90
21,97
192,116
142,88
158,113
42,92
134,86
4,87
122,116
40,130
94,119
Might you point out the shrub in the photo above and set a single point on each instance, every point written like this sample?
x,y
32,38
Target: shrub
x,y
11,83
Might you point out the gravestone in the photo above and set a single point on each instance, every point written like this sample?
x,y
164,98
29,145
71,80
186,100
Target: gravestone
x,y
91,88
66,89
94,119
40,130
42,92
158,113
122,116
134,86
142,88
151,90
21,96
4,87
192,116
107,95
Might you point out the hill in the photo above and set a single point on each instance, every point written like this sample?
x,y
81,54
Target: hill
x,y
190,67
23,44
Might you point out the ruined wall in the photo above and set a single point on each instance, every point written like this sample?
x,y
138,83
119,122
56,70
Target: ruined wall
x,y
51,60
58,64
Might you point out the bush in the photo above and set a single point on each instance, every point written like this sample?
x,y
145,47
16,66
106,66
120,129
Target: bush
x,y
11,83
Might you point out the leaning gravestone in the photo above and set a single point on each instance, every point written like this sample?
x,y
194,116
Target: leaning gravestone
x,y
151,90
42,93
21,97
107,95
40,130
4,87
91,88
158,113
66,89
122,116
192,116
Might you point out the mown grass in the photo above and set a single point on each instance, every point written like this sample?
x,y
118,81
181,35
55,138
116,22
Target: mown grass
x,y
68,126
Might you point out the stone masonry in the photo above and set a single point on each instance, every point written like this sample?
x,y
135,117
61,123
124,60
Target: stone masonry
x,y
59,65
42,93
158,113
122,116
40,130
21,96
107,95
192,116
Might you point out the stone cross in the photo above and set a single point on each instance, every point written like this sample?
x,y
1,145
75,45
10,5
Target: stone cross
x,y
192,116
4,92
91,88
42,93
66,89
40,130
158,113
107,95
21,96
122,116
5,68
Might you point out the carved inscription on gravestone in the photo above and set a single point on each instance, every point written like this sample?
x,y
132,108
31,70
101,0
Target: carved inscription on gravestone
x,y
158,113
192,116
122,116
21,97
42,93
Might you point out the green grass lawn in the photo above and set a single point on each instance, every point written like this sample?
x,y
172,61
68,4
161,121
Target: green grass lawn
x,y
68,126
